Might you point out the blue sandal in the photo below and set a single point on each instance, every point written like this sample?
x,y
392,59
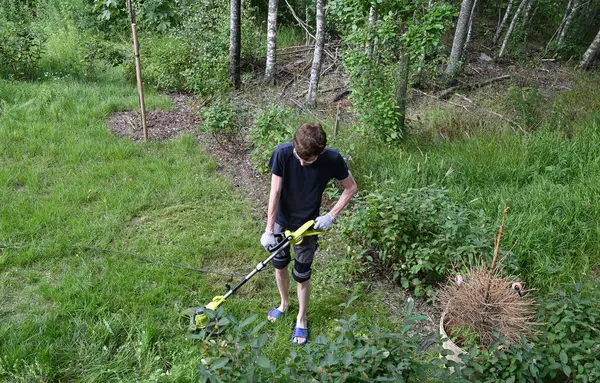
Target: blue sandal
x,y
300,333
275,313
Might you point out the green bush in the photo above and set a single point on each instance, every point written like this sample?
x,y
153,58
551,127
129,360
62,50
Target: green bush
x,y
359,353
416,236
21,39
164,62
566,347
21,47
224,121
268,130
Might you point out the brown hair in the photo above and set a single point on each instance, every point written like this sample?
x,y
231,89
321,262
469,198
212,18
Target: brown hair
x,y
310,140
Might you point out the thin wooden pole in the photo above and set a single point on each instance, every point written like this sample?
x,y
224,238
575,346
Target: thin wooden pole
x,y
138,68
337,122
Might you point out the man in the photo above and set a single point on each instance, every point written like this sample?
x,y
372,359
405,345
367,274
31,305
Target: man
x,y
301,171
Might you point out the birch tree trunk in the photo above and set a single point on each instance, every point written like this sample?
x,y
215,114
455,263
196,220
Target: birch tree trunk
x,y
315,70
370,46
460,36
511,28
271,42
235,38
591,52
469,30
527,13
562,23
503,23
568,21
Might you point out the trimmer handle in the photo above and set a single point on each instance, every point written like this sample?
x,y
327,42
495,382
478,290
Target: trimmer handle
x,y
294,238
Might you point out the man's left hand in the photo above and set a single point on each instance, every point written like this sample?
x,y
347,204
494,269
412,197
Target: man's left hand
x,y
323,222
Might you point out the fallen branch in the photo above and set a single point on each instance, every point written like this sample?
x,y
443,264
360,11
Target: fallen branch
x,y
447,92
300,22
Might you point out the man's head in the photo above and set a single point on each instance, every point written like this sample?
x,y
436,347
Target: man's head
x,y
309,142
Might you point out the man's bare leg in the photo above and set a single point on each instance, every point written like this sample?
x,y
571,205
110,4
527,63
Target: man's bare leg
x,y
283,285
303,297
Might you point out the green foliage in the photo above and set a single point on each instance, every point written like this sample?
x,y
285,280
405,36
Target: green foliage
x,y
224,121
373,77
21,40
21,47
416,235
359,353
526,104
270,128
566,348
165,60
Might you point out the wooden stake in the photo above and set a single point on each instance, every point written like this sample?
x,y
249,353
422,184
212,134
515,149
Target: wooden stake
x,y
138,68
337,121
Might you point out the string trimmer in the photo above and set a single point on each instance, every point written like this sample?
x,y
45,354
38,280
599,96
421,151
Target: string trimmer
x,y
199,320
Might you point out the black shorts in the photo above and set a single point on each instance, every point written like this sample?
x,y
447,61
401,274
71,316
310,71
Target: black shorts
x,y
304,253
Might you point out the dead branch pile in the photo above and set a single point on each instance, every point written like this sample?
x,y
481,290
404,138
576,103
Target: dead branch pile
x,y
488,302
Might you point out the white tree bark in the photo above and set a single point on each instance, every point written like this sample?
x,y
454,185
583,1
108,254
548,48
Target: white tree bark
x,y
590,53
562,23
511,28
469,30
460,36
370,46
235,39
568,21
315,70
271,42
503,23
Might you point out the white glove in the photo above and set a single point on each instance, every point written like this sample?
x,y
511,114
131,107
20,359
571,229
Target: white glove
x,y
268,240
323,222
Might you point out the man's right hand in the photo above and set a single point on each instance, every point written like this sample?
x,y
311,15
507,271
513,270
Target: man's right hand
x,y
268,240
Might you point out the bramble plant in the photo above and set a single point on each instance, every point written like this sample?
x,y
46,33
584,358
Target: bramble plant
x,y
224,121
268,130
416,236
359,353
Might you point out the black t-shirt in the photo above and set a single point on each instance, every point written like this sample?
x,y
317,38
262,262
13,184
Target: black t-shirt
x,y
303,186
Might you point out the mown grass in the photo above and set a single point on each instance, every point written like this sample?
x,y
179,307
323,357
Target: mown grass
x,y
70,190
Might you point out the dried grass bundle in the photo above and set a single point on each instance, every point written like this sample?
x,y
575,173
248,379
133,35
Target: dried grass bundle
x,y
488,302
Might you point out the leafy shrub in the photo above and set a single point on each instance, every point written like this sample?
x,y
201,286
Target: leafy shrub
x,y
224,121
21,40
567,347
21,47
165,60
358,354
268,130
416,236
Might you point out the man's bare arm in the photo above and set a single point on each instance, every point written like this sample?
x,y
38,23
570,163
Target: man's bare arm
x,y
276,185
350,189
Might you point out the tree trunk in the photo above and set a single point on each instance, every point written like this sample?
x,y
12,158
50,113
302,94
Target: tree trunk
x,y
511,28
567,24
271,42
562,23
460,36
503,23
370,46
315,70
469,30
402,87
235,43
591,52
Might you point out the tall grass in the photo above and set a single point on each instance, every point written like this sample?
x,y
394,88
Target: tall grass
x,y
548,177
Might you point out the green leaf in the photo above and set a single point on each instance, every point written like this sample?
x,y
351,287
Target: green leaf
x,y
220,363
563,357
263,362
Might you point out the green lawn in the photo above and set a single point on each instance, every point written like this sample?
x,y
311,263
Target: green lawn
x,y
68,189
